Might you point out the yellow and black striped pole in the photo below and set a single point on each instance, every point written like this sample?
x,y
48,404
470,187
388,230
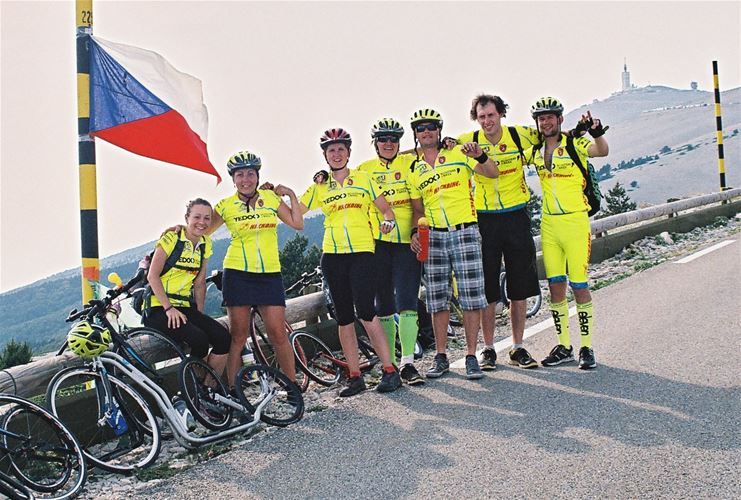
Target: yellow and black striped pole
x,y
719,129
86,153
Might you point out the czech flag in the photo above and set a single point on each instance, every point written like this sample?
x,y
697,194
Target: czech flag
x,y
140,103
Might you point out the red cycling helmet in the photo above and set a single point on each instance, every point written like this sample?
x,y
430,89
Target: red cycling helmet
x,y
334,136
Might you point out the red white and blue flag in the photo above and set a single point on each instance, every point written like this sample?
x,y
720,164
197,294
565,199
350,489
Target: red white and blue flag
x,y
142,104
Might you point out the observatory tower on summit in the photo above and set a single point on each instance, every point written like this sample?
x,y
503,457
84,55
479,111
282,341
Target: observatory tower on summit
x,y
626,76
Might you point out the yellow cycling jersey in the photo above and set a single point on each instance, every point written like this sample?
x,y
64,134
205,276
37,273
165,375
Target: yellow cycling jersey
x,y
445,188
392,180
346,207
178,281
563,184
508,191
254,244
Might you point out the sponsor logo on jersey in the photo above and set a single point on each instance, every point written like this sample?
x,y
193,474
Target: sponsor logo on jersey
x,y
429,181
349,182
335,198
260,203
397,176
502,148
441,160
560,151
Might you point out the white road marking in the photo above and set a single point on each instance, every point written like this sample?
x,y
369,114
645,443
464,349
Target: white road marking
x,y
706,251
505,344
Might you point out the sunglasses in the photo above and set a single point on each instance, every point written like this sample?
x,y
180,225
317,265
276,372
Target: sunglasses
x,y
431,127
388,138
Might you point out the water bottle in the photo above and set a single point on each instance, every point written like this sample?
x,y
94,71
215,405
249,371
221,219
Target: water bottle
x,y
186,417
117,421
423,231
248,357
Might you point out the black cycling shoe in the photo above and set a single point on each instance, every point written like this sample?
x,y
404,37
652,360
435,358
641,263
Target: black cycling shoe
x,y
410,375
488,359
354,386
440,365
559,354
473,371
520,357
586,358
389,382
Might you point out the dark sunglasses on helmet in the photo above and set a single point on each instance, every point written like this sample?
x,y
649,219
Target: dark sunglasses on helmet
x,y
388,138
421,127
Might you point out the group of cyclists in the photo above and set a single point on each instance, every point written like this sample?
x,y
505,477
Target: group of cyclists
x,y
472,191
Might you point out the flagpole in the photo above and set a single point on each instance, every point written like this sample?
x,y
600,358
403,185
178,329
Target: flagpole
x,y
86,153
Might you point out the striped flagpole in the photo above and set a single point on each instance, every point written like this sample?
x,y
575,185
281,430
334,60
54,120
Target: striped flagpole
x,y
719,129
86,153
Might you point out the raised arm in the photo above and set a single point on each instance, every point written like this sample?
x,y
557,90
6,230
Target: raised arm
x,y
293,215
485,165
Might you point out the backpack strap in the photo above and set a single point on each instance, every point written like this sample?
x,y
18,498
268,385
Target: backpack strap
x,y
171,261
516,139
571,150
476,136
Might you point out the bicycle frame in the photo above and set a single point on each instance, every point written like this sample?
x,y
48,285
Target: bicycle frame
x,y
181,433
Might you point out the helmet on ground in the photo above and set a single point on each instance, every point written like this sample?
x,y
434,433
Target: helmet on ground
x,y
546,105
243,159
335,136
427,115
387,126
88,340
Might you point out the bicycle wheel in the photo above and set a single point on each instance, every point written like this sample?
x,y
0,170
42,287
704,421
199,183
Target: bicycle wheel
x,y
200,384
255,384
106,425
14,489
265,354
156,356
318,363
40,450
533,305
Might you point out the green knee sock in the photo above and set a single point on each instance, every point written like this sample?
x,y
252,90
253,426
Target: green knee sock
x,y
389,328
586,323
560,313
408,328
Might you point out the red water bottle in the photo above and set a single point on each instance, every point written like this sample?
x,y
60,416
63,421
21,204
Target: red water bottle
x,y
423,231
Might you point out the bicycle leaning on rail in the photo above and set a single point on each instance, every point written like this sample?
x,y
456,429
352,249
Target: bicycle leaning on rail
x,y
43,456
100,401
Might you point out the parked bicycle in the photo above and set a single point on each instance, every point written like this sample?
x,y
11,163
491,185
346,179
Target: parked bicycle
x,y
101,402
39,456
259,342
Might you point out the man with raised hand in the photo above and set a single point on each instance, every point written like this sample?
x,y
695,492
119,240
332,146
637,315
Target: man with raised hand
x,y
565,231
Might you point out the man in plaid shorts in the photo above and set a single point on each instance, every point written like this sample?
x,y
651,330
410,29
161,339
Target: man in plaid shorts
x,y
440,188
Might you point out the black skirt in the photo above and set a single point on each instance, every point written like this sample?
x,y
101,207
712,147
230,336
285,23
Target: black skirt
x,y
241,288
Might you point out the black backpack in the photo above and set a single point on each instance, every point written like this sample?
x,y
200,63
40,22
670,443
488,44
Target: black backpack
x,y
591,187
142,297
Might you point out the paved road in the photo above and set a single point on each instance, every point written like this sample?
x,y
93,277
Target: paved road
x,y
659,417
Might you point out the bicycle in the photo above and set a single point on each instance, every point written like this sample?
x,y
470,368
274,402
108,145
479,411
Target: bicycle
x,y
262,349
120,432
42,454
320,363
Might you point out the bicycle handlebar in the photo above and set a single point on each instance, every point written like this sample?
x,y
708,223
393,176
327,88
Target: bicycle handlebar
x,y
305,279
97,306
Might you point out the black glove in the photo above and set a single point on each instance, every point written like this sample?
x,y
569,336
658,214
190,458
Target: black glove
x,y
597,131
580,128
321,177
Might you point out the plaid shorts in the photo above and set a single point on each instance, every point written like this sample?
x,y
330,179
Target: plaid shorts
x,y
458,251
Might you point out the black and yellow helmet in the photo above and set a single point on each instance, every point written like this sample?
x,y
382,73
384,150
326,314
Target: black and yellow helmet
x,y
427,115
243,159
387,126
88,340
546,105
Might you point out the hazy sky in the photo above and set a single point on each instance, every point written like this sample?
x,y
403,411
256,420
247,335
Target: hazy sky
x,y
276,74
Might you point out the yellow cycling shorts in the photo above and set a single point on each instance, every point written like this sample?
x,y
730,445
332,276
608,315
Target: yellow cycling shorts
x,y
566,241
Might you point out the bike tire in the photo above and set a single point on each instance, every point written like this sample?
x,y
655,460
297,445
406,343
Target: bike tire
x,y
156,356
265,354
75,396
43,454
13,489
254,382
532,304
318,362
199,382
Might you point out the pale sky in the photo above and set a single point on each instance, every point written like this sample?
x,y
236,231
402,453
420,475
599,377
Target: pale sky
x,y
276,74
